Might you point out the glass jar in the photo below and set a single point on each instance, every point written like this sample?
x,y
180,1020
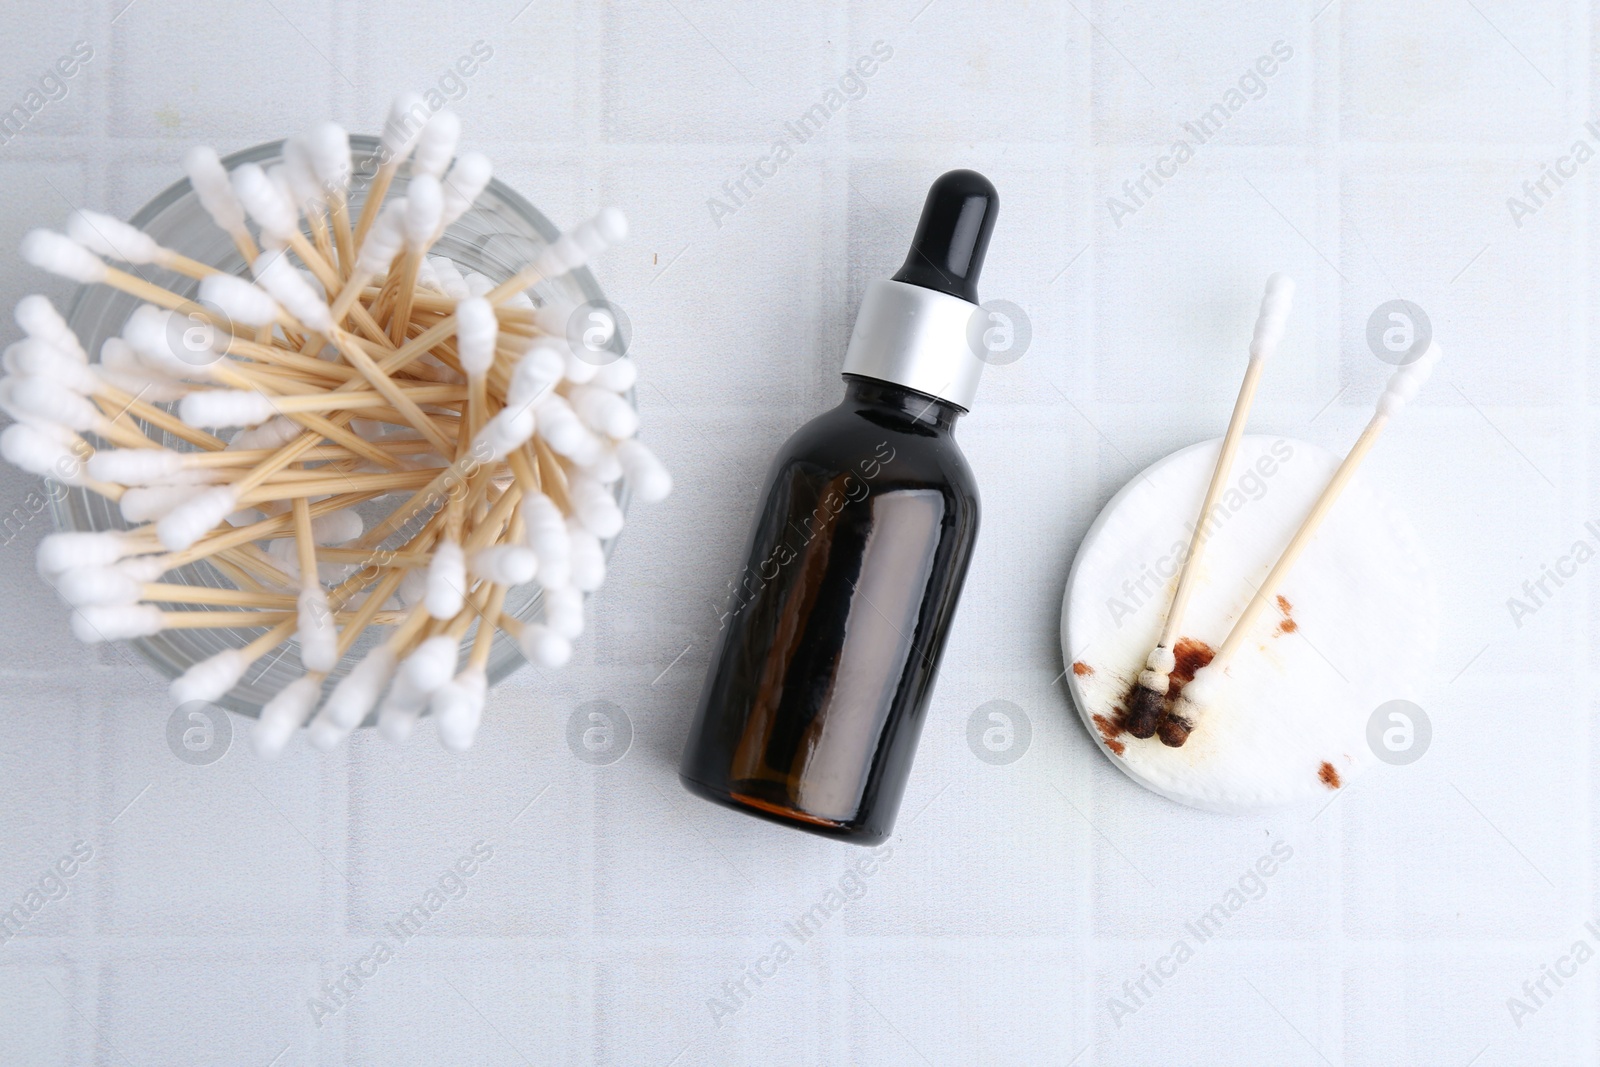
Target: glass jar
x,y
498,235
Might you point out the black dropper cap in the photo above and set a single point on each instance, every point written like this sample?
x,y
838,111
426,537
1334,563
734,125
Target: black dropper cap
x,y
952,235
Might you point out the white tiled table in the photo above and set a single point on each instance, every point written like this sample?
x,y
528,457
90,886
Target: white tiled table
x,y
1018,899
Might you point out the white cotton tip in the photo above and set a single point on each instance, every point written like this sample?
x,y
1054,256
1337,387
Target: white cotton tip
x,y
505,564
282,552
116,623
282,715
578,370
188,522
211,678
240,300
398,712
1404,383
552,318
588,559
151,503
274,433
646,475
408,114
563,612
464,184
595,507
618,376
265,202
39,318
170,345
428,276
476,331
112,238
424,210
329,148
359,690
564,432
226,407
508,430
447,580
431,664
143,568
521,300
307,192
540,368
60,254
118,358
279,175
384,240
37,452
52,402
546,533
96,587
458,706
585,241
61,552
318,636
1274,314
1201,691
449,275
213,188
337,527
413,587
478,284
289,287
606,469
612,225
436,144
36,358
604,412
145,386
541,645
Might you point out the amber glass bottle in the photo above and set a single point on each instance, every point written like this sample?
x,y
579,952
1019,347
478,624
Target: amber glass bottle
x,y
833,631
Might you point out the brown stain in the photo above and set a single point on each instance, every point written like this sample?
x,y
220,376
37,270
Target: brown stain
x,y
1288,625
1081,669
1111,729
1326,773
1190,655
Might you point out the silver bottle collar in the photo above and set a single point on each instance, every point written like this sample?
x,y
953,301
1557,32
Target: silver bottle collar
x,y
917,338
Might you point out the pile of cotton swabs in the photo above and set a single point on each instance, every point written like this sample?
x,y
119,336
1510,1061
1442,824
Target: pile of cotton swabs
x,y
352,367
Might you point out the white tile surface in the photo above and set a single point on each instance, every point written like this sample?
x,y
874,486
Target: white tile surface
x,y
1019,900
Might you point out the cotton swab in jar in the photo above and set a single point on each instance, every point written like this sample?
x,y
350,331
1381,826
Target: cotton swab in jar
x,y
1202,690
115,239
399,137
302,381
1147,702
214,190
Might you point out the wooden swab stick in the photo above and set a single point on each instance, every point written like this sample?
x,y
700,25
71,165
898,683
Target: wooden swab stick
x,y
1148,699
1402,387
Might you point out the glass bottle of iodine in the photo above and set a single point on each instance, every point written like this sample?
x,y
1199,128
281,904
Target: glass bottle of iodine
x,y
831,641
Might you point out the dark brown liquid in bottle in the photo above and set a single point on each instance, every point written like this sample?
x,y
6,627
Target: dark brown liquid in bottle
x,y
832,637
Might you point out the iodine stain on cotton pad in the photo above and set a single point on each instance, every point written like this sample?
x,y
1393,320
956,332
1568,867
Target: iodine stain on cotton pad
x,y
1352,627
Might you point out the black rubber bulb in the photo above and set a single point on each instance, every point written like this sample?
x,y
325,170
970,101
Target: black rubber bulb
x,y
952,235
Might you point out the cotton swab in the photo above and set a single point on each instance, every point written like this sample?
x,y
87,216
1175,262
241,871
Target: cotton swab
x,y
115,239
214,190
1147,702
1200,692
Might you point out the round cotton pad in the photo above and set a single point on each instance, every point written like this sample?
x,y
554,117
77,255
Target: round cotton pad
x,y
1354,625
